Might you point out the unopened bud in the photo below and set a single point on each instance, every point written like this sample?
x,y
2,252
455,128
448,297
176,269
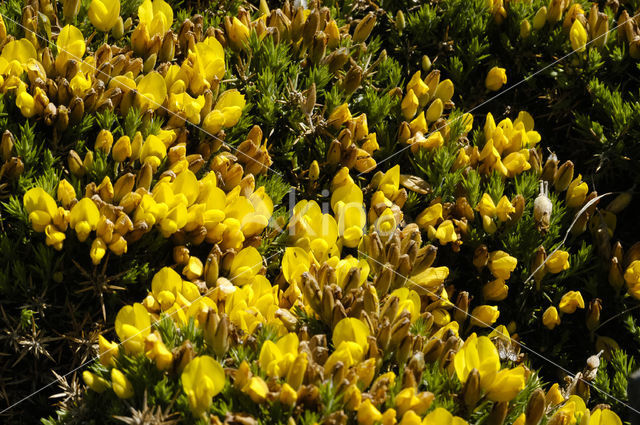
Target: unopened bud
x,y
593,314
563,177
481,257
535,408
471,392
364,28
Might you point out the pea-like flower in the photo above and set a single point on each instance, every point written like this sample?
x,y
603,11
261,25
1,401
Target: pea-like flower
x,y
103,14
571,301
41,208
496,78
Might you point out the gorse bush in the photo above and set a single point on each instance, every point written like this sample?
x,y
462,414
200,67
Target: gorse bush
x,y
320,212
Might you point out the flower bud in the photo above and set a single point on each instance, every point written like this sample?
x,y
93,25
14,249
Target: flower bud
x,y
593,314
145,175
76,108
616,277
75,164
535,408
462,307
122,149
525,29
563,177
140,40
481,257
537,261
471,391
318,47
364,28
70,9
66,193
6,146
123,186
498,413
104,141
352,80
496,78
400,21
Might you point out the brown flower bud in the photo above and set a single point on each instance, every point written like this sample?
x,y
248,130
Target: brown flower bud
x,y
498,413
364,28
535,408
75,164
538,258
550,168
6,146
593,314
481,257
318,47
337,60
352,80
471,391
311,26
462,307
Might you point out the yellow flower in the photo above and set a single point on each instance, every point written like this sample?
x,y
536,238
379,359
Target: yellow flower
x,y
103,14
428,280
446,232
484,315
602,416
202,379
578,36
95,382
571,301
554,395
41,208
557,262
84,218
157,351
237,32
107,351
430,216
226,113
502,264
507,384
190,107
132,326
368,414
409,105
71,46
486,206
152,90
496,78
504,209
495,290
20,51
477,353
276,357
551,318
54,237
576,193
409,300
156,15
121,385
441,416
352,330
257,389
632,274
